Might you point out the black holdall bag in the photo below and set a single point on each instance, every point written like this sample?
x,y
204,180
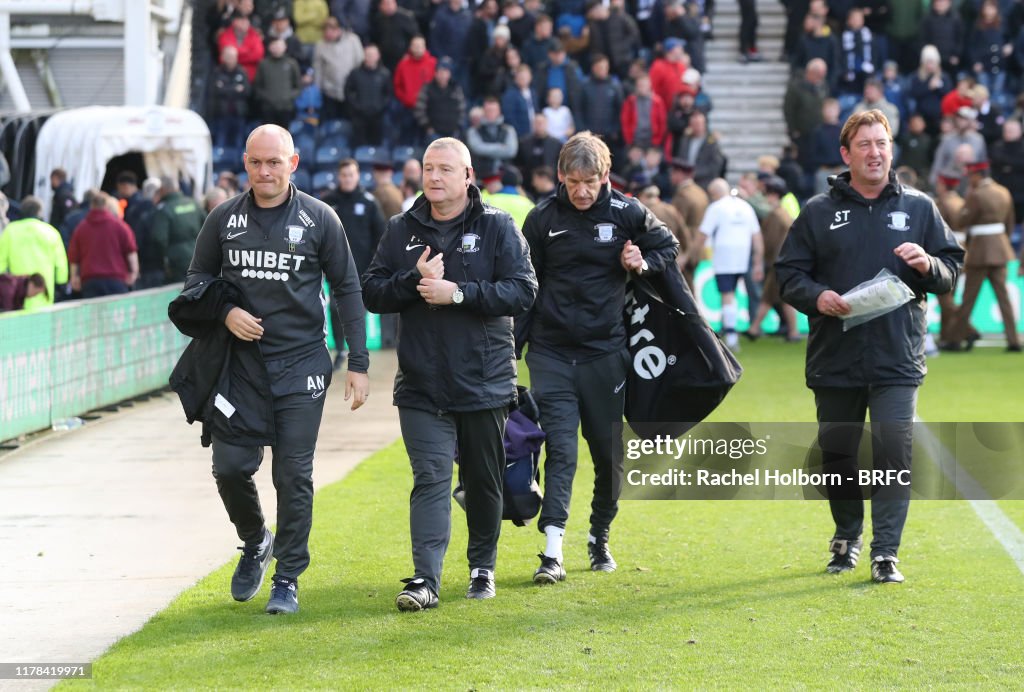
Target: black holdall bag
x,y
680,371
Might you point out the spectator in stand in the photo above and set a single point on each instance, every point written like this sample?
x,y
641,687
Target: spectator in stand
x,y
613,33
650,170
801,106
667,71
927,87
964,132
680,25
441,106
1008,164
335,56
32,246
414,71
601,100
858,58
15,290
449,31
561,124
278,83
892,88
988,51
702,148
229,100
874,97
537,150
391,29
644,118
543,184
492,143
916,149
213,198
480,38
817,41
246,40
518,103
281,27
561,72
796,11
904,34
176,224
103,256
824,159
943,29
310,16
680,113
990,115
519,19
534,49
367,95
63,198
489,68
387,194
355,14
962,96
748,32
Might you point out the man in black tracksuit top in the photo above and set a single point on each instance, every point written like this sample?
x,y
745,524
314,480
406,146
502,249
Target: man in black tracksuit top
x,y
583,244
276,244
867,222
456,271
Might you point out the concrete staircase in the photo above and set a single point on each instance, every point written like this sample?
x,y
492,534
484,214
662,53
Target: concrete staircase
x,y
747,99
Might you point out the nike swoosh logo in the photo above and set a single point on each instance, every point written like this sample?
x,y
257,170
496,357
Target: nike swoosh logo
x,y
412,247
840,225
317,395
552,234
619,388
232,236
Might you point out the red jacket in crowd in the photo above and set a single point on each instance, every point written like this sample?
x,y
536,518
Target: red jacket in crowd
x,y
667,79
410,76
250,48
659,120
100,246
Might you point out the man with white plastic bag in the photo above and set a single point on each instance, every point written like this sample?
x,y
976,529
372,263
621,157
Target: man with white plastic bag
x,y
865,223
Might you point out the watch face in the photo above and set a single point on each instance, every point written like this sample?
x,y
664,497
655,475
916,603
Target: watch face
x,y
457,296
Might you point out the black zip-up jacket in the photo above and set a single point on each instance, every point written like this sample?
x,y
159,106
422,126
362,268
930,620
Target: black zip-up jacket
x,y
841,239
454,357
281,271
362,219
218,375
578,313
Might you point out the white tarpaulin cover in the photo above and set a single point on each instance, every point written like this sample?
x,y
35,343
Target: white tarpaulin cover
x,y
173,141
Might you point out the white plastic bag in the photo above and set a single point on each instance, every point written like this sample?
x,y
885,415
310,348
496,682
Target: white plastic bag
x,y
874,298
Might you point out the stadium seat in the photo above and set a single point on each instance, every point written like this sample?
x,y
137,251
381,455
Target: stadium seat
x,y
302,180
305,145
336,140
327,157
399,155
324,180
366,179
298,127
330,128
227,159
367,156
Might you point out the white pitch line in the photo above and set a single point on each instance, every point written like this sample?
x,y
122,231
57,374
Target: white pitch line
x,y
1001,526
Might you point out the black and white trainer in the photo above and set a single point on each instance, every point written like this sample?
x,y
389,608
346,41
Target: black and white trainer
x,y
884,570
416,596
481,584
252,567
845,554
550,570
284,596
601,559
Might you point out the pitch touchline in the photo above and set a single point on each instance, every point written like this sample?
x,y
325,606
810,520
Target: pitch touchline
x,y
1001,526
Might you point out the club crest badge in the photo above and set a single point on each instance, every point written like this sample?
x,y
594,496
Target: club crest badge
x,y
469,243
898,220
605,232
295,237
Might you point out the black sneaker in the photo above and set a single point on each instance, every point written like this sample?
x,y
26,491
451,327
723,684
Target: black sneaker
x,y
601,559
416,596
284,596
252,567
884,570
482,585
845,554
550,570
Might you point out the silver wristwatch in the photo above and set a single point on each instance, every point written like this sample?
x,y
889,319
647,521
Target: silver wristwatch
x,y
458,296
